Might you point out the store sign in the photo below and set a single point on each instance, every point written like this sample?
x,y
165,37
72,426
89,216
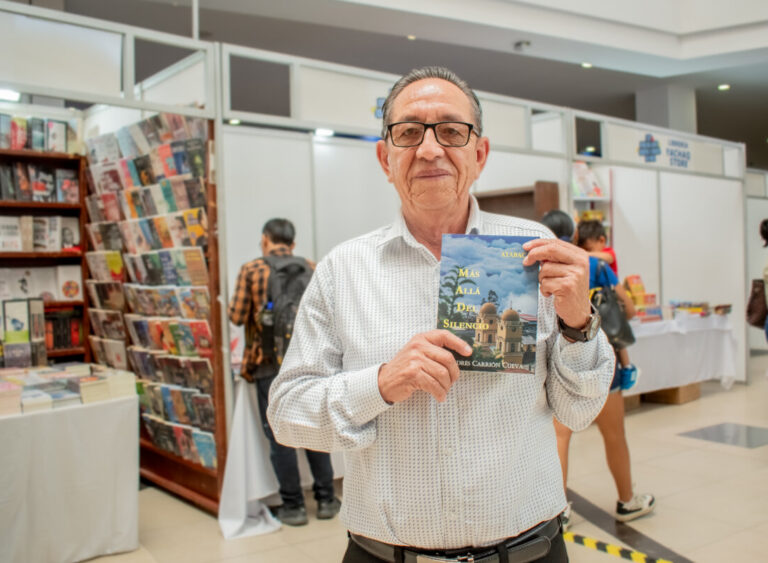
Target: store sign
x,y
626,144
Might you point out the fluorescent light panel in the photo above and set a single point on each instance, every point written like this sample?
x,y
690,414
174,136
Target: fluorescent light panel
x,y
9,95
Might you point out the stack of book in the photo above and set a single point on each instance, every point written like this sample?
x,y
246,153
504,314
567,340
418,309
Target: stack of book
x,y
23,334
50,283
35,400
33,133
10,398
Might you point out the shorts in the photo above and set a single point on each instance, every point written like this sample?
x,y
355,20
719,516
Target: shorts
x,y
616,381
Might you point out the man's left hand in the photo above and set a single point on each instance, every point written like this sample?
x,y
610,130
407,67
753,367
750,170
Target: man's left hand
x,y
564,273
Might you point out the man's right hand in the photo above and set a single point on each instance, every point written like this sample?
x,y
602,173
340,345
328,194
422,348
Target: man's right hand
x,y
423,364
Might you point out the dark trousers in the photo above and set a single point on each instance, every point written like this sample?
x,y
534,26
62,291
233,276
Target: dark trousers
x,y
285,462
356,554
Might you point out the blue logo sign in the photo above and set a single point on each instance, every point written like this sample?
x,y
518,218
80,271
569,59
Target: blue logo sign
x,y
679,153
649,148
378,110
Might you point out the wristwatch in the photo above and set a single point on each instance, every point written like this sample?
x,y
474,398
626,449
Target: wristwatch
x,y
588,332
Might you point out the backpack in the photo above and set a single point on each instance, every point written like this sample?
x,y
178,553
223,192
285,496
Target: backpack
x,y
288,278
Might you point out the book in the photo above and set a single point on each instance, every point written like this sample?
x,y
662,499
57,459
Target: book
x,y
107,177
40,233
91,388
177,226
103,148
54,233
27,228
7,187
143,166
5,131
167,195
126,143
16,321
490,300
10,234
165,301
19,139
176,125
95,207
149,231
165,154
17,354
157,164
69,283
110,203
160,125
179,150
195,188
67,186
10,398
44,283
137,135
21,183
179,188
206,448
201,332
97,347
56,136
194,302
70,234
196,157
129,173
169,273
163,234
106,265
106,294
107,323
116,354
110,235
43,183
195,266
35,400
36,130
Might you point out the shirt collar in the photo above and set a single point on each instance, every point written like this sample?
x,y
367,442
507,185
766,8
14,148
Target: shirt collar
x,y
398,229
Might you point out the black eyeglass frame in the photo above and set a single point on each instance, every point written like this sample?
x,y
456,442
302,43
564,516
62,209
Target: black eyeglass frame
x,y
434,131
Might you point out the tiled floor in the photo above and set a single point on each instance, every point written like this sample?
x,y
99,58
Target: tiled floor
x,y
712,498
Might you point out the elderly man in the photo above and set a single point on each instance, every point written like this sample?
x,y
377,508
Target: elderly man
x,y
440,465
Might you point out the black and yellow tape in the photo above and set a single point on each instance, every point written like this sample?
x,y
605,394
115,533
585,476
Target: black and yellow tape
x,y
611,549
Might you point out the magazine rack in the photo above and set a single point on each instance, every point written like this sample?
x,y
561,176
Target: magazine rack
x,y
77,164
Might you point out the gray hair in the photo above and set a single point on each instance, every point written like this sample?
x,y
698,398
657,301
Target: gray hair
x,y
431,72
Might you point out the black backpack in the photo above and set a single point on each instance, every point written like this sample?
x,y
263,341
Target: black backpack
x,y
288,278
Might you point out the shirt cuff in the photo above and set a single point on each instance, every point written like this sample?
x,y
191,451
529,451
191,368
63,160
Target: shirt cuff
x,y
365,399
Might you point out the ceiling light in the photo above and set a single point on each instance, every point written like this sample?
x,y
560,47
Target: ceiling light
x,y
586,65
9,95
234,122
411,37
589,149
324,132
724,87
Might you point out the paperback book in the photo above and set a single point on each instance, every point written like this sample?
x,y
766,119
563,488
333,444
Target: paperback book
x,y
490,300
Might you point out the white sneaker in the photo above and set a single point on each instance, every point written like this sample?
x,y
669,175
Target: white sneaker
x,y
637,506
565,517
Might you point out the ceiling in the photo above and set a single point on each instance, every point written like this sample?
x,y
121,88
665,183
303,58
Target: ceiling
x,y
633,47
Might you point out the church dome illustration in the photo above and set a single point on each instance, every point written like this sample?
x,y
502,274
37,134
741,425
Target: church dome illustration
x,y
510,315
488,309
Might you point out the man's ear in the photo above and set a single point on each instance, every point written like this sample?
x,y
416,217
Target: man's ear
x,y
481,153
382,154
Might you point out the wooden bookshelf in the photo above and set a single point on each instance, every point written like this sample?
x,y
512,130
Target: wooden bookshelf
x,y
53,160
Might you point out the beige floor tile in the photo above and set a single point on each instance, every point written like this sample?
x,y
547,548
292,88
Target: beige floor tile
x,y
289,554
158,509
729,549
707,464
141,555
330,549
724,501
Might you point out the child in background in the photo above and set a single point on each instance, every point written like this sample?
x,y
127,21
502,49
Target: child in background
x,y
590,235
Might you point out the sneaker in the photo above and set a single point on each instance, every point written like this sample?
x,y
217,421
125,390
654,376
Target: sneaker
x,y
292,515
628,375
327,509
565,517
637,506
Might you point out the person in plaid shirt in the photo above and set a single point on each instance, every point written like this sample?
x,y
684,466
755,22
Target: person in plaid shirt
x,y
260,368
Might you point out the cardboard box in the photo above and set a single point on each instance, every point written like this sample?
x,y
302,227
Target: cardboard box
x,y
675,395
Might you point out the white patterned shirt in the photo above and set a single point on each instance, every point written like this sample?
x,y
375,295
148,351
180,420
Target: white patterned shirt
x,y
480,467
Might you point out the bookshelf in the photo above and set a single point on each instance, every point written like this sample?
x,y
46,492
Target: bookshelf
x,y
142,210
41,259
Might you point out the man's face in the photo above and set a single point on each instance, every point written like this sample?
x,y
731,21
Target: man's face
x,y
431,177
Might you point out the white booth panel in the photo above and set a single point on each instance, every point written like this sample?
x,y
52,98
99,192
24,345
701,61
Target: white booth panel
x,y
352,194
757,258
64,56
100,119
635,229
504,124
338,98
182,87
702,234
547,132
505,170
756,184
266,174
733,162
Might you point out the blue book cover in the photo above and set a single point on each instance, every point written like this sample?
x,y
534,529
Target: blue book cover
x,y
170,410
170,277
206,448
490,300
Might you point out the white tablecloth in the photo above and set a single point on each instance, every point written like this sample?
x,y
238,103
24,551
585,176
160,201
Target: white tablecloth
x,y
69,483
249,481
685,350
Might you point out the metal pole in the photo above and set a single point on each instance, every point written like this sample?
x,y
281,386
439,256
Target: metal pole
x,y
195,19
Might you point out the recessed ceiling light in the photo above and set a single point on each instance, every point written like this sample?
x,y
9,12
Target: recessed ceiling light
x,y
9,95
411,37
586,65
724,87
321,132
234,122
589,149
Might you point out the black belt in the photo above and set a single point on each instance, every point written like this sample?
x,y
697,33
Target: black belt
x,y
530,545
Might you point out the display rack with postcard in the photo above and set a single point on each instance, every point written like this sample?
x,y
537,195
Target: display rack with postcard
x,y
42,230
153,287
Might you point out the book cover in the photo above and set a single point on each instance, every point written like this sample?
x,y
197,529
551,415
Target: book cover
x,y
196,157
54,233
103,148
179,406
27,227
131,298
195,188
111,238
56,136
179,150
7,187
185,341
125,141
43,183
145,298
157,164
163,234
189,405
194,302
136,233
206,448
136,267
178,186
95,207
16,319
19,139
44,284
183,442
197,127
169,275
135,202
180,264
166,302
196,268
149,202
177,226
490,300
69,283
36,134
168,406
5,131
197,226
165,154
167,339
176,125
137,135
164,133
97,347
150,233
17,354
158,199
40,233
130,175
205,411
67,186
107,177
21,183
166,186
153,268
115,351
70,234
126,234
36,320
143,166
10,234
115,265
94,235
111,205
201,332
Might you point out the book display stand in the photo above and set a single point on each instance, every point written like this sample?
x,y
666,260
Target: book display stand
x,y
154,291
42,229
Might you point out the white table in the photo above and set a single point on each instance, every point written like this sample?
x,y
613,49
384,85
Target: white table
x,y
249,481
682,351
69,482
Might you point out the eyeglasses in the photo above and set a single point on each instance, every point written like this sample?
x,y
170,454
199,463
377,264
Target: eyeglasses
x,y
448,133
